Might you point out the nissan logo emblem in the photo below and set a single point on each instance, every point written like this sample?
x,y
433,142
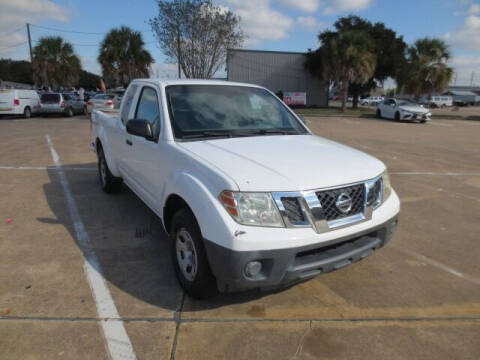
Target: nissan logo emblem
x,y
343,203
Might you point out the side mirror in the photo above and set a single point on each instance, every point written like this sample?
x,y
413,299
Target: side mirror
x,y
140,127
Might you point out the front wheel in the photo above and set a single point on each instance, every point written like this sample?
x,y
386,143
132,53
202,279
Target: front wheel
x,y
379,114
189,256
397,116
110,184
27,113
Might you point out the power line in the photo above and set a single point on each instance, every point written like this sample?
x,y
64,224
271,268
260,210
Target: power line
x,y
14,45
13,31
74,44
78,32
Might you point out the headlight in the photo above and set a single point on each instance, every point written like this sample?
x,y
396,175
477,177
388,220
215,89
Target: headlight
x,y
387,187
257,209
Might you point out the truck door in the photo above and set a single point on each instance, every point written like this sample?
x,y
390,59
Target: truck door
x,y
144,158
119,132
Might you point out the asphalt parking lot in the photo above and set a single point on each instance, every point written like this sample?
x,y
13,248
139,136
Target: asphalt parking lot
x,y
417,298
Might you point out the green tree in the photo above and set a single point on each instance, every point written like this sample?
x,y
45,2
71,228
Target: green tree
x,y
123,56
426,70
16,70
88,80
196,34
385,44
346,57
55,63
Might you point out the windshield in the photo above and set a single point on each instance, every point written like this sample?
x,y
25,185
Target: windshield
x,y
103,96
407,103
50,98
202,111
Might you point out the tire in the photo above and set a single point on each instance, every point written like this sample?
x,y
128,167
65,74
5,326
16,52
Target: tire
x,y
27,113
189,256
109,183
397,116
69,112
379,114
423,121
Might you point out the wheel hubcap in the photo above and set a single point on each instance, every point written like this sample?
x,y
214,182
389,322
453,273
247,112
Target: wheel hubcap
x,y
186,254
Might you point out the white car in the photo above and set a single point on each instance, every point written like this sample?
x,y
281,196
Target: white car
x,y
371,100
19,102
101,102
403,110
249,196
439,101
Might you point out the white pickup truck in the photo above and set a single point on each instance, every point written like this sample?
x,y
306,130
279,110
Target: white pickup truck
x,y
249,196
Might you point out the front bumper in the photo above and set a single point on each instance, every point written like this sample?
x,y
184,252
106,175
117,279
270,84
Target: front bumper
x,y
414,116
284,267
52,110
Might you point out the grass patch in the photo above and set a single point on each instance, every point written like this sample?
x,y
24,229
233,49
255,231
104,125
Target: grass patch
x,y
336,111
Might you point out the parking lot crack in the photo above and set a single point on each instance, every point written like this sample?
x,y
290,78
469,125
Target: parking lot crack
x,y
177,317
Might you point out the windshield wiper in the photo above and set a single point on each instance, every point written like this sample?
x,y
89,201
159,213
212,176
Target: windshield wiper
x,y
266,132
209,134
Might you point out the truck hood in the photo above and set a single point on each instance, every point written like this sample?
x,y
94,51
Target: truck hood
x,y
286,162
414,109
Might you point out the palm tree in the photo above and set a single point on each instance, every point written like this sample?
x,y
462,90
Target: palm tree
x,y
123,57
55,63
347,57
427,69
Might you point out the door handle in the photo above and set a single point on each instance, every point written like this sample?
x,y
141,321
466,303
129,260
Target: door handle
x,y
128,142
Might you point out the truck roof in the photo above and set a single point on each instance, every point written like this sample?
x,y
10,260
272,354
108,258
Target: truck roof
x,y
163,82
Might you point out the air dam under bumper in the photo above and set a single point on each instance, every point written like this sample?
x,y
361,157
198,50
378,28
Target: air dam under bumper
x,y
284,267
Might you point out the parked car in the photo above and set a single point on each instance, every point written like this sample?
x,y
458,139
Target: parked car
x,y
101,101
403,110
249,196
61,103
437,101
19,102
371,100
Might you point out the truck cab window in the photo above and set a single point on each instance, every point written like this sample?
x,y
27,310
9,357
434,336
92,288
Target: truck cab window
x,y
148,109
127,103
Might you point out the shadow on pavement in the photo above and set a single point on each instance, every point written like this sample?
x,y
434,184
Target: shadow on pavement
x,y
128,239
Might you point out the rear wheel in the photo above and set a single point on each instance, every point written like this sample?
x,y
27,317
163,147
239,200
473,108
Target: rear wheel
x,y
397,116
110,184
189,256
379,114
27,113
69,112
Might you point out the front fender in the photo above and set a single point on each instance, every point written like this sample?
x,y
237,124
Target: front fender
x,y
214,221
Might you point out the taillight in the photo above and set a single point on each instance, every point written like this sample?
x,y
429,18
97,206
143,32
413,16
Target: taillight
x,y
109,103
16,102
89,103
62,104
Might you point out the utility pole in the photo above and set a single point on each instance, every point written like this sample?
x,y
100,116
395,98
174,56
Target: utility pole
x,y
29,42
472,78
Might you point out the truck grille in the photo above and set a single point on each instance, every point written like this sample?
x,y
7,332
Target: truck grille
x,y
328,199
329,209
293,210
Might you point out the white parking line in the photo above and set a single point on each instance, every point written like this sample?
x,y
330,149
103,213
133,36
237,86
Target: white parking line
x,y
438,265
46,168
116,337
433,173
439,124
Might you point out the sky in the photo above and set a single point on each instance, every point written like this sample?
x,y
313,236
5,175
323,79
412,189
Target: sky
x,y
283,25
